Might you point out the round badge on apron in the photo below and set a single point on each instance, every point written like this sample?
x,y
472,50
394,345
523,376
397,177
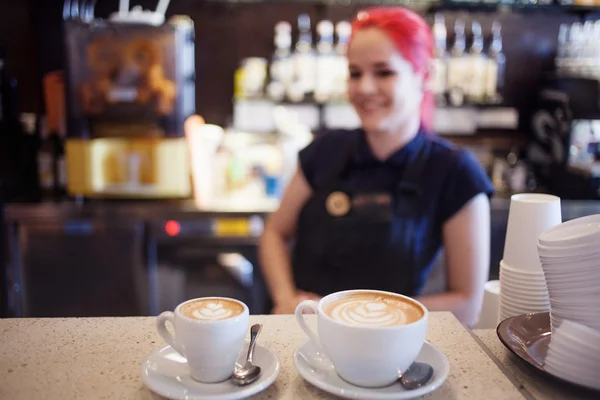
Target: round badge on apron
x,y
337,204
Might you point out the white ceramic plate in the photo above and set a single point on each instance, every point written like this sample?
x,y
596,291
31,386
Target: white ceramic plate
x,y
326,379
165,372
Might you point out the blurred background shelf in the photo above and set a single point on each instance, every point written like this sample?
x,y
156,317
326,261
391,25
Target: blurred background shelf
x,y
447,5
161,250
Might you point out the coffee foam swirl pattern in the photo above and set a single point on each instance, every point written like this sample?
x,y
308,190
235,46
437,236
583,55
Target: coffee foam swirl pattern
x,y
370,311
211,310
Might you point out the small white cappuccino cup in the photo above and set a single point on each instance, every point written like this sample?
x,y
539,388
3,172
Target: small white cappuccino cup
x,y
209,333
370,336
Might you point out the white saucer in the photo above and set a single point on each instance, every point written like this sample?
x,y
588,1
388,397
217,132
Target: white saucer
x,y
325,378
165,372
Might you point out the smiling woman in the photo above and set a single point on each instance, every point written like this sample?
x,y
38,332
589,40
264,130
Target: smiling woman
x,y
389,55
371,208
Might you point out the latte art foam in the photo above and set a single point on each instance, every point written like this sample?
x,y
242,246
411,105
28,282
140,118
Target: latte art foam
x,y
373,310
211,309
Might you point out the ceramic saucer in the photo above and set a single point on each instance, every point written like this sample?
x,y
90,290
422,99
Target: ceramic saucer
x,y
325,378
165,372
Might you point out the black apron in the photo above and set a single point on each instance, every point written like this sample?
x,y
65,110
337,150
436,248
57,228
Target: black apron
x,y
372,246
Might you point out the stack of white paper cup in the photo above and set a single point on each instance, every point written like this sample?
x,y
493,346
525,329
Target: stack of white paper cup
x,y
569,254
574,354
522,284
521,292
488,318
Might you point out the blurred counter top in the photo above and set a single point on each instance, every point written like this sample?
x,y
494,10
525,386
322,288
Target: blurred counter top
x,y
100,358
185,209
136,210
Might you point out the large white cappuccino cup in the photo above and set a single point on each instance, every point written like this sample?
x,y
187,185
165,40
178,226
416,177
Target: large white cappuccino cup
x,y
210,333
367,345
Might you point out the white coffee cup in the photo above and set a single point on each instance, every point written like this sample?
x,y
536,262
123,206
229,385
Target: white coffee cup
x,y
365,355
211,347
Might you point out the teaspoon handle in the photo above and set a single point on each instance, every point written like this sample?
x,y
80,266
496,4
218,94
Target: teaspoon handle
x,y
254,332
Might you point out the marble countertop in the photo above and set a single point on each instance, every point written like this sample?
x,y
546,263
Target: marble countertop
x,y
534,384
100,358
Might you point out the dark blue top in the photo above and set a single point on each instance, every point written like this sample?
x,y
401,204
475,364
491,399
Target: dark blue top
x,y
447,177
452,176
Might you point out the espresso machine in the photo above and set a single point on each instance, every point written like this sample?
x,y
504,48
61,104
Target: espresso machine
x,y
565,150
129,89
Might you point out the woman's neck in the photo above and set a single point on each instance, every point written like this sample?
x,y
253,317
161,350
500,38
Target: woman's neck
x,y
384,144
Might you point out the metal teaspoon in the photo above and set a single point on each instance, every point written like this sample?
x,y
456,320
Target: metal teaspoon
x,y
417,375
248,373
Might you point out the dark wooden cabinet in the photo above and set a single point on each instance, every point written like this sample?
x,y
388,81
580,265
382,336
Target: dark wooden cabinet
x,y
77,268
104,259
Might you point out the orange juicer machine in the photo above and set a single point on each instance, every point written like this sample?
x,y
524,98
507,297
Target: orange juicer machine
x,y
129,89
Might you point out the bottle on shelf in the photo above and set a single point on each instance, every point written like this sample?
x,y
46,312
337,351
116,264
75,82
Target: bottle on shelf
x,y
495,67
326,62
282,67
51,164
438,80
478,63
562,51
594,51
458,66
305,63
589,50
45,160
575,50
579,54
343,30
250,78
51,154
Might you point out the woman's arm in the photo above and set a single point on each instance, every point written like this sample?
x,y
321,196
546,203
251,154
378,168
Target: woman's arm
x,y
466,238
273,250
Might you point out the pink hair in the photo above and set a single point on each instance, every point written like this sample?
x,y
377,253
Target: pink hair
x,y
413,39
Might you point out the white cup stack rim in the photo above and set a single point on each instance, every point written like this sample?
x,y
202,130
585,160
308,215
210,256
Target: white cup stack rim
x,y
521,292
576,232
568,254
529,215
573,352
528,274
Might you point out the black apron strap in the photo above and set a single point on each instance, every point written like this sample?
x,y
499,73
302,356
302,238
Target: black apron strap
x,y
409,212
340,171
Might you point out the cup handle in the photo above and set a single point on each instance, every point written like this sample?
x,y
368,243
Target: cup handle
x,y
313,305
161,326
316,357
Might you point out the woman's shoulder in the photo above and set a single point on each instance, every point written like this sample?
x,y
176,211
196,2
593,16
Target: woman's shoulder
x,y
444,151
328,152
445,156
460,174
